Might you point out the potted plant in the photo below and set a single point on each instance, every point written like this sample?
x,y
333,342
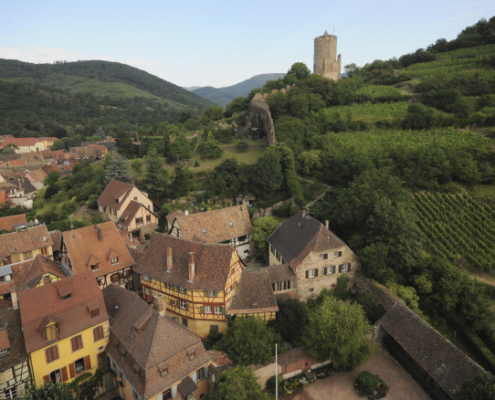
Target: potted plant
x,y
371,386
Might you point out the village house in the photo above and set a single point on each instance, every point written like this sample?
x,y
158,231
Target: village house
x,y
316,256
36,177
65,326
12,222
25,245
153,356
14,361
24,145
98,249
230,225
47,141
197,283
170,218
5,137
89,152
130,208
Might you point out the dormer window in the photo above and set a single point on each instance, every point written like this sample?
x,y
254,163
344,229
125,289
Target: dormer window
x,y
94,267
192,355
116,201
114,260
95,313
163,371
51,333
67,296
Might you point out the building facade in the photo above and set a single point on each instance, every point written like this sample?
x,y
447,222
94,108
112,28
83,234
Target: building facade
x,y
66,328
24,145
326,62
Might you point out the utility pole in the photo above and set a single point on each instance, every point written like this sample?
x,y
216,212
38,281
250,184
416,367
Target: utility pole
x,y
276,373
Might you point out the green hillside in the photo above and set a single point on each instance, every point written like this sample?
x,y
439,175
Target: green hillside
x,y
223,96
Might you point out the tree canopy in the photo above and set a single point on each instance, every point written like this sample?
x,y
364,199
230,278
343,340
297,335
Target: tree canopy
x,y
238,383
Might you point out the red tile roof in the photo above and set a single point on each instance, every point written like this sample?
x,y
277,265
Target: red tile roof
x,y
20,142
38,175
212,262
84,244
40,266
115,189
253,294
7,223
58,154
215,226
33,238
45,303
13,163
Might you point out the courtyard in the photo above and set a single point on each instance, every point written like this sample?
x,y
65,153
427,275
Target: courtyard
x,y
341,386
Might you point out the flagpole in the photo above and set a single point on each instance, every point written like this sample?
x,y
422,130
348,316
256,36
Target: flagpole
x,y
276,373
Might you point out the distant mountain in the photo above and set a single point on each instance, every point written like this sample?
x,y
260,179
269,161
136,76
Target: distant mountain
x,y
192,88
223,96
101,78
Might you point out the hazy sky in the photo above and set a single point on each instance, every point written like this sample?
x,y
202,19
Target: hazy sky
x,y
220,43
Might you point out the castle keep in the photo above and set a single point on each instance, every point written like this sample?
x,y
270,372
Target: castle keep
x,y
325,57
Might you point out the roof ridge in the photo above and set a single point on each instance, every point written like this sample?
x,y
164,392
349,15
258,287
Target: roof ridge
x,y
192,241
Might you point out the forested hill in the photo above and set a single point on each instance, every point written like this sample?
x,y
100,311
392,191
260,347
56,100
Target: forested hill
x,y
100,78
223,96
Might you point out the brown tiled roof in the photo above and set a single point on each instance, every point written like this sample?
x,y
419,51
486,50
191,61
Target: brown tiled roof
x,y
57,153
38,175
253,294
45,303
130,212
212,262
114,190
13,163
7,186
216,224
301,234
294,355
171,217
220,358
25,240
49,168
446,364
7,223
135,253
84,243
187,386
14,335
161,342
20,142
280,273
56,239
40,266
31,158
10,157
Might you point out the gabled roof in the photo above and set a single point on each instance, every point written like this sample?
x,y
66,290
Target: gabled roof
x,y
212,262
38,175
40,266
33,238
131,211
14,163
31,158
171,217
84,248
20,142
301,234
56,239
444,362
160,343
115,189
7,223
280,273
215,226
253,294
45,303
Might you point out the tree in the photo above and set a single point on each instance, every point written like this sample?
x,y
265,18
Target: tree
x,y
249,341
210,149
300,70
179,149
351,69
101,133
182,182
48,391
292,318
51,191
52,178
9,149
136,165
339,331
118,170
481,387
238,383
224,179
58,145
262,228
124,144
267,176
155,181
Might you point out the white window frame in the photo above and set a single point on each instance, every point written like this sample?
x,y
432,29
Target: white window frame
x,y
208,310
336,254
218,310
311,273
211,293
182,290
183,305
345,267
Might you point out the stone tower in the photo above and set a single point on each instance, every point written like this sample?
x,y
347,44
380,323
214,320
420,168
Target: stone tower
x,y
326,62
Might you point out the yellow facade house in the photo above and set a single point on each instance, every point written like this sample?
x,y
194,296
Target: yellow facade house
x,y
153,356
195,282
130,208
65,326
24,145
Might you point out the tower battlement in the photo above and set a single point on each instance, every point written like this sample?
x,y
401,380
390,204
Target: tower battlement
x,y
325,62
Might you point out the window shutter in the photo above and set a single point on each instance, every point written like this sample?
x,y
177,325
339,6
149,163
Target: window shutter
x,y
185,291
206,293
223,310
65,377
316,273
201,309
46,378
187,307
349,267
216,293
9,375
340,254
340,268
195,377
174,392
325,271
87,361
21,390
307,274
72,370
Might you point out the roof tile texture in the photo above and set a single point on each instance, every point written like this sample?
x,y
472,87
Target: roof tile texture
x,y
7,223
36,237
254,293
113,190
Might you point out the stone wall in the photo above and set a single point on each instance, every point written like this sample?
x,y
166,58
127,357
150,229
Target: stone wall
x,y
265,372
379,294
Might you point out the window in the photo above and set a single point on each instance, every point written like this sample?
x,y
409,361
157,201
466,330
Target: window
x,y
213,328
98,333
80,366
200,374
114,260
278,256
27,255
76,343
329,270
167,394
192,356
343,267
51,354
184,322
211,293
208,310
163,371
183,290
218,310
146,278
147,291
172,303
94,267
312,273
272,249
67,296
95,313
183,305
228,290
135,197
11,393
323,256
148,218
51,332
139,221
337,254
203,230
44,251
117,201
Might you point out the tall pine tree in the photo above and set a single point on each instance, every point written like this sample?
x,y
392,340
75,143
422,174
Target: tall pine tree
x,y
155,182
117,169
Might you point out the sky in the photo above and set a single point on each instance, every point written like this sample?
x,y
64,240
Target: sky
x,y
220,43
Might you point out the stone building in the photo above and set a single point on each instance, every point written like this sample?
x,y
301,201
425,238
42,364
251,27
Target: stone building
x,y
315,256
326,62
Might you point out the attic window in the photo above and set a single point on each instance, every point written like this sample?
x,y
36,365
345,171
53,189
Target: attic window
x,y
117,201
95,313
95,267
67,296
163,369
192,355
51,333
114,260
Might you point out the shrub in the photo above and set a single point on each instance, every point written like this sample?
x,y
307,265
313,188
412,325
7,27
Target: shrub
x,y
241,147
285,210
51,191
196,164
367,381
147,236
270,384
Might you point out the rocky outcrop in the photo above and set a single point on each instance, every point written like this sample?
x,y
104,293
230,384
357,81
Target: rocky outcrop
x,y
259,116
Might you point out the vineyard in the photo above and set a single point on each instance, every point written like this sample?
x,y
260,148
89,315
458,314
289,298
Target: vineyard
x,y
458,229
378,91
369,111
468,52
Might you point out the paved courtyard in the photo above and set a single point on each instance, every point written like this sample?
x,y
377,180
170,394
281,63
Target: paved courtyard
x,y
341,386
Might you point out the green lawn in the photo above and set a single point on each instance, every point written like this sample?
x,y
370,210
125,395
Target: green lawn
x,y
248,157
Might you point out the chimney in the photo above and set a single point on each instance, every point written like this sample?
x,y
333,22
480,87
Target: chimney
x,y
186,212
192,267
303,213
100,235
169,259
326,224
158,303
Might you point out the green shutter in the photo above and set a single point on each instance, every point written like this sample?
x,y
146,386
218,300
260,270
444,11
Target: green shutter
x,y
201,309
223,310
187,306
206,293
216,293
185,291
